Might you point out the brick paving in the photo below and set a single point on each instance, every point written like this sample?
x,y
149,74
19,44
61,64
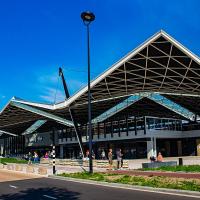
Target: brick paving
x,y
158,173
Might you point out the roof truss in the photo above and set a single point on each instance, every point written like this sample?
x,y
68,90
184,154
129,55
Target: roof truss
x,y
161,64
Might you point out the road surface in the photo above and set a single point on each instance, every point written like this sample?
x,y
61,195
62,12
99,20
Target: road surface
x,y
15,186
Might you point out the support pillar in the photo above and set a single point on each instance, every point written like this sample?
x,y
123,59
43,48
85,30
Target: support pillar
x,y
127,128
61,151
179,147
150,148
144,118
104,129
168,148
135,119
1,147
154,147
98,128
111,129
119,132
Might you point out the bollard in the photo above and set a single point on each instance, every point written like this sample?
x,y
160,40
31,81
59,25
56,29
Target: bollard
x,y
180,161
54,160
52,137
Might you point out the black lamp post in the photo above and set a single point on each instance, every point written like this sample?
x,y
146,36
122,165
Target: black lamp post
x,y
87,18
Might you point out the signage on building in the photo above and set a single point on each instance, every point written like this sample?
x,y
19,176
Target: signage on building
x,y
35,139
38,139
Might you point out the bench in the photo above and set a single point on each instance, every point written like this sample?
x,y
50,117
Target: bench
x,y
159,164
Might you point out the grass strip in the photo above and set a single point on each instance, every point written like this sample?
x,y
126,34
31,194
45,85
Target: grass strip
x,y
12,160
155,181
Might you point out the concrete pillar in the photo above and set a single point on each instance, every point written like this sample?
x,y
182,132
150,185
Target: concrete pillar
x,y
168,148
1,149
150,150
104,129
154,147
111,129
127,125
144,118
61,151
135,119
179,147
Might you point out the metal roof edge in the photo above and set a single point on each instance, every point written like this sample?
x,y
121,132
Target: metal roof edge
x,y
39,105
180,46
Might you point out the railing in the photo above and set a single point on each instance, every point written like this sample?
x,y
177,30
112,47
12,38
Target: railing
x,y
131,124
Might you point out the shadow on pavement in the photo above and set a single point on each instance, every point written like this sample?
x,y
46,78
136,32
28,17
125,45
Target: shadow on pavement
x,y
37,193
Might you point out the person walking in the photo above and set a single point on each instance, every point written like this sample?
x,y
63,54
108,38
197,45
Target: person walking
x,y
36,158
30,158
87,155
119,159
110,159
46,156
103,155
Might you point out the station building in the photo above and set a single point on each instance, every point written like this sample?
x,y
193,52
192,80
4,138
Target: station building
x,y
148,101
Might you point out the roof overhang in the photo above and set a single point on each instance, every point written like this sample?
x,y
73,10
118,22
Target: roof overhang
x,y
161,65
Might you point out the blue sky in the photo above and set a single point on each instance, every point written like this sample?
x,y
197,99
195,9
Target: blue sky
x,y
37,37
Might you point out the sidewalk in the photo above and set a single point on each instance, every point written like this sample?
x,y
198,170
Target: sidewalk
x,y
67,169
45,169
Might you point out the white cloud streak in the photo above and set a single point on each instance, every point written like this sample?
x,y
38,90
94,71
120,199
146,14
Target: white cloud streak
x,y
52,95
51,87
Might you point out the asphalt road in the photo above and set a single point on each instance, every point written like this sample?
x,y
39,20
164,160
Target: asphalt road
x,y
32,188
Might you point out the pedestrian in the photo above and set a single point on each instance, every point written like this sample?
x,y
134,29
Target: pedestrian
x,y
93,155
160,157
119,159
36,157
30,158
80,155
110,159
103,155
152,159
87,155
46,156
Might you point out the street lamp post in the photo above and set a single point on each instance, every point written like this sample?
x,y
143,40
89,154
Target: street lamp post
x,y
87,18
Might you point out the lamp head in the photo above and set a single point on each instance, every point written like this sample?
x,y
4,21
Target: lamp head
x,y
87,17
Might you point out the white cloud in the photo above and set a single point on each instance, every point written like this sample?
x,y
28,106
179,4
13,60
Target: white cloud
x,y
52,95
2,97
50,85
48,79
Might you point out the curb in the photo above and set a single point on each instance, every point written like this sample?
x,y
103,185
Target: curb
x,y
174,192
